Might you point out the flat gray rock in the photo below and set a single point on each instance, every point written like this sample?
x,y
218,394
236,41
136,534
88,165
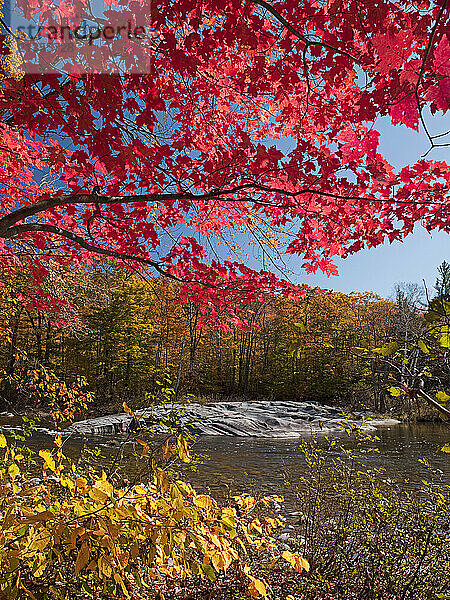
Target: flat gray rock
x,y
265,419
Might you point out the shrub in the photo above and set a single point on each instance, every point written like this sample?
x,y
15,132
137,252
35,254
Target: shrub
x,y
368,537
69,531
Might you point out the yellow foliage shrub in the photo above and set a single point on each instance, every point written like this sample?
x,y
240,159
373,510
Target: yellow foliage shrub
x,y
67,531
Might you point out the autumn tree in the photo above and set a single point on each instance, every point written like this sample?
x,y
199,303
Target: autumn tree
x,y
416,358
159,152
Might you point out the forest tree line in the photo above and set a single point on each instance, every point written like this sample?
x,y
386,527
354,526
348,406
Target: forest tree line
x,y
124,332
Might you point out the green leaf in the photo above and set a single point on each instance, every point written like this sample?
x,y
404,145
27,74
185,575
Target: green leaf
x,y
209,572
301,326
444,341
388,349
396,391
424,347
442,397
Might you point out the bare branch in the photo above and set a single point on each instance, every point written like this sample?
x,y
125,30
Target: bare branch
x,y
299,35
444,411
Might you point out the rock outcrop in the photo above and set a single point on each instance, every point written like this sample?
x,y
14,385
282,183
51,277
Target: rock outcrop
x,y
264,418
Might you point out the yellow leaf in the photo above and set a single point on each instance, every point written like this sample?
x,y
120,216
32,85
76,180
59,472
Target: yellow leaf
x,y
305,564
105,487
39,566
127,409
227,559
67,482
82,558
203,501
13,471
48,459
104,567
183,450
97,495
388,349
215,540
118,579
424,347
229,516
209,572
276,498
58,440
42,540
442,397
396,391
245,501
297,562
257,588
2,441
444,341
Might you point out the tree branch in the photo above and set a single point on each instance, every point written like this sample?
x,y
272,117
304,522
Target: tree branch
x,y
72,237
299,35
444,411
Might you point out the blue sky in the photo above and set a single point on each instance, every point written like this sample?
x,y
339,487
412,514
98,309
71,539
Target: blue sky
x,y
418,257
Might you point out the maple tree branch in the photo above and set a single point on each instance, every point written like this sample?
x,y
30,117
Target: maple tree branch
x,y
8,222
430,43
308,83
299,35
73,237
422,70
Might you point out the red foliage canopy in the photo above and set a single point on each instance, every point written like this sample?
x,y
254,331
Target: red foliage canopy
x,y
157,158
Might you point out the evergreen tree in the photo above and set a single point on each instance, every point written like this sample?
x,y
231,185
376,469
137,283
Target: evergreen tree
x,y
442,285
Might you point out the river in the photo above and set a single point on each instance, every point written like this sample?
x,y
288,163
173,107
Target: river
x,y
256,465
261,465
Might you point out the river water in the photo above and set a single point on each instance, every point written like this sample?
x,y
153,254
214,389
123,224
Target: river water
x,y
231,465
256,465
